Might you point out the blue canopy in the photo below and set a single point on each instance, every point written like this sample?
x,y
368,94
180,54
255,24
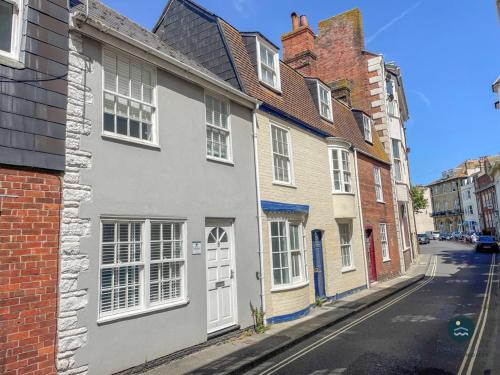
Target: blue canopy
x,y
269,206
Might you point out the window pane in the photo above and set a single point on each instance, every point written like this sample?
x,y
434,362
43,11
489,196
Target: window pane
x,y
6,15
136,81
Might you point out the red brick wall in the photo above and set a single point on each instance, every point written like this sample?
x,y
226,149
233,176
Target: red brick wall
x,y
375,213
29,243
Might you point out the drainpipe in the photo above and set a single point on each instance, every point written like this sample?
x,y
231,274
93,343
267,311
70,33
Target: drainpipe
x,y
361,225
259,211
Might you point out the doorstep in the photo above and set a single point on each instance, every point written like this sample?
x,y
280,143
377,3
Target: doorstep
x,y
244,352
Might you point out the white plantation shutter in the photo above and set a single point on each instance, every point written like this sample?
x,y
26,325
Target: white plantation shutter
x,y
127,84
136,81
109,65
123,68
218,132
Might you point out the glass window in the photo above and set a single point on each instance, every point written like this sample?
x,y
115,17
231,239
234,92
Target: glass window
x,y
6,22
128,97
345,246
384,242
396,159
367,127
325,102
281,155
269,66
341,171
378,184
218,129
287,250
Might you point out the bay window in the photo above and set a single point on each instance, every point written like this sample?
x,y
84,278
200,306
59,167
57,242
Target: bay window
x,y
139,272
128,97
287,253
218,128
341,170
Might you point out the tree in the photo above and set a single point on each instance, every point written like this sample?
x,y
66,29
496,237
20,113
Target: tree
x,y
418,198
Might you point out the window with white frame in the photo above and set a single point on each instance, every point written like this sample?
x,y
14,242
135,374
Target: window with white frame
x,y
129,88
136,275
384,242
287,251
378,184
325,101
396,159
341,170
345,246
268,65
282,164
167,262
367,128
218,128
11,19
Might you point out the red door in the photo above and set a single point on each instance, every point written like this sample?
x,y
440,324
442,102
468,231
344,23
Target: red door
x,y
372,265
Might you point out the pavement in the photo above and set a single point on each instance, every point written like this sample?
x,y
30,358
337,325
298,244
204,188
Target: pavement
x,y
250,351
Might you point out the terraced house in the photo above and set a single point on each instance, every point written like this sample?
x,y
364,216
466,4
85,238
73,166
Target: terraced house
x,y
160,200
338,56
33,91
313,56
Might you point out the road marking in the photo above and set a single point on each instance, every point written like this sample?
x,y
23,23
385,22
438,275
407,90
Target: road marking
x,y
354,323
483,316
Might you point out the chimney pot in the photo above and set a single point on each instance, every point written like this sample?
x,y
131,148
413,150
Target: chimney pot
x,y
303,20
295,21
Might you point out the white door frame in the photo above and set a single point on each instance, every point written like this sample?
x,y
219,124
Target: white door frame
x,y
229,223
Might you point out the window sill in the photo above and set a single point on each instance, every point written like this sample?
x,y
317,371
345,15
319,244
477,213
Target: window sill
x,y
348,269
11,61
272,88
285,184
386,260
330,120
136,313
342,193
124,139
383,202
277,289
219,160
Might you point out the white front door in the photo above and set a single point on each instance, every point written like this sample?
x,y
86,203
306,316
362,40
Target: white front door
x,y
220,277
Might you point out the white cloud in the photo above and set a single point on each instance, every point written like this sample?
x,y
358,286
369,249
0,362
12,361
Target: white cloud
x,y
392,22
424,98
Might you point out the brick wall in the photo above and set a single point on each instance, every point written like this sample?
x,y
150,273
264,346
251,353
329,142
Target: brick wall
x,y
375,213
29,243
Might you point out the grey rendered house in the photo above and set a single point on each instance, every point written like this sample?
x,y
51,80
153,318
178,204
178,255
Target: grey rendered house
x,y
160,196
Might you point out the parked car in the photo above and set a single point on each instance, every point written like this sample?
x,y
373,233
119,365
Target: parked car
x,y
474,237
445,236
435,235
423,239
456,235
487,243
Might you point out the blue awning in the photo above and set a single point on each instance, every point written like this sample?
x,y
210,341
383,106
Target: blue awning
x,y
269,206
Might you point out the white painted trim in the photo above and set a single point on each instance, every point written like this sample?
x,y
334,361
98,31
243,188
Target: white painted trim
x,y
339,150
258,42
291,172
12,58
329,98
230,159
104,34
361,221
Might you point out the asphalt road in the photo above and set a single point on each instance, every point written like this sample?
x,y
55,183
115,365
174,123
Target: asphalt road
x,y
408,333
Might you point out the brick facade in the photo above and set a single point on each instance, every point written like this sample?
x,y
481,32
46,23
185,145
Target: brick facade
x,y
375,213
30,203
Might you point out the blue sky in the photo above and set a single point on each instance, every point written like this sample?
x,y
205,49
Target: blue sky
x,y
448,50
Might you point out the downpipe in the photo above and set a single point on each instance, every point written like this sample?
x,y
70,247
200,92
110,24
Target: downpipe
x,y
361,226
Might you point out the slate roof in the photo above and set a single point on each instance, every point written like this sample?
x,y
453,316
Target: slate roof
x,y
296,100
109,17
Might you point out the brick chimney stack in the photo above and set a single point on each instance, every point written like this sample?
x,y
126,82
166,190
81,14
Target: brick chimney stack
x,y
298,46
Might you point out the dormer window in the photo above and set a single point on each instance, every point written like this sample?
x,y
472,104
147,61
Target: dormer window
x,y
268,58
367,128
325,101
